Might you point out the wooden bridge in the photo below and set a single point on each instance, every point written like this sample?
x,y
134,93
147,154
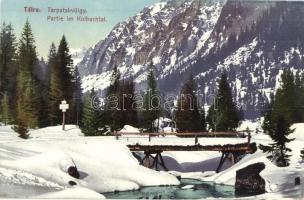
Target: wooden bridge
x,y
232,151
189,134
228,147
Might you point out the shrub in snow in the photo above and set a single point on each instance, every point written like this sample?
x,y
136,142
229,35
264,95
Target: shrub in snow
x,y
21,130
302,154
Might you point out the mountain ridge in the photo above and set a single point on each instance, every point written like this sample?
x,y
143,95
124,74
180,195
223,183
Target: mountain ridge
x,y
203,39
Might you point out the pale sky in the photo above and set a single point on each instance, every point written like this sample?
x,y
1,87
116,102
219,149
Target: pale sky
x,y
78,34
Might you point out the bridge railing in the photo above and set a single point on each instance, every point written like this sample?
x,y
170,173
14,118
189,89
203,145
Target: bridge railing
x,y
196,135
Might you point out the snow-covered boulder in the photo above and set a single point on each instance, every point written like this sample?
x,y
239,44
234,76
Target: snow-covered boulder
x,y
249,180
129,129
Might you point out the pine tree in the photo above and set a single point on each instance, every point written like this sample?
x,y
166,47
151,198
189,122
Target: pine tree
x,y
203,119
129,107
267,124
78,96
113,101
55,92
7,54
28,96
8,66
62,83
285,98
64,63
120,106
91,115
299,99
5,114
302,154
278,119
125,113
151,109
223,115
43,76
279,135
188,116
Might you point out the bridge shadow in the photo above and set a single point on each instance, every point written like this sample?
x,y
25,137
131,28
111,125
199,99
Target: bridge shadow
x,y
82,174
206,165
173,165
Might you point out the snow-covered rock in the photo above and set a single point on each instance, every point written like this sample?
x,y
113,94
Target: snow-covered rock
x,y
187,187
129,129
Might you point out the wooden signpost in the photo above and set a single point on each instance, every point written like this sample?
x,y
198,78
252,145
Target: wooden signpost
x,y
63,107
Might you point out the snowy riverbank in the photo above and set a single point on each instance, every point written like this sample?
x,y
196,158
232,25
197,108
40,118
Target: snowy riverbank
x,y
280,181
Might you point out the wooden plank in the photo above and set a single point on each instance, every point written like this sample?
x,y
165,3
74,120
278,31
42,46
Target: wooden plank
x,y
228,147
198,134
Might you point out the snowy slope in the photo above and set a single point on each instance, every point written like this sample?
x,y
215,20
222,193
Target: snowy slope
x,y
104,164
72,193
78,55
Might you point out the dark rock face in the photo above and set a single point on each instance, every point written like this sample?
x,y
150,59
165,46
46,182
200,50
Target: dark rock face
x,y
248,180
72,171
72,183
297,181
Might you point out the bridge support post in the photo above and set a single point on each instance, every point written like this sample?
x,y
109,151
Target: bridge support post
x,y
116,135
195,140
223,159
162,163
157,160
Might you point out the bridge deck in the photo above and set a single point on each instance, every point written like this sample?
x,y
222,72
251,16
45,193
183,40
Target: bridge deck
x,y
242,147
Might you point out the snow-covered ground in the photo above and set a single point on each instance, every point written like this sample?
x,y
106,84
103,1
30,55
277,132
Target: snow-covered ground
x,y
280,181
104,164
37,167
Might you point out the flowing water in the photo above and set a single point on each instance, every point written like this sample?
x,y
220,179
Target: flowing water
x,y
188,189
